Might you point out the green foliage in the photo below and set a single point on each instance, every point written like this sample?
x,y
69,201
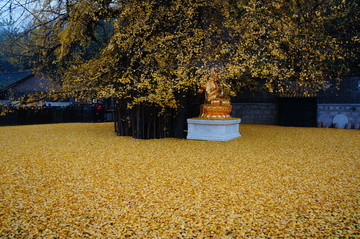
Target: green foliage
x,y
155,51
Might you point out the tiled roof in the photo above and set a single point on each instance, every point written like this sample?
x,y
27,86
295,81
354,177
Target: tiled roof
x,y
8,79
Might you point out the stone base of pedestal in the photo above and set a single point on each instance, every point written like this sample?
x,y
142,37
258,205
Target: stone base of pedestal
x,y
213,130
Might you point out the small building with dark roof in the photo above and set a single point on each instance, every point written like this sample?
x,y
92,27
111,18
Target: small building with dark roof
x,y
19,83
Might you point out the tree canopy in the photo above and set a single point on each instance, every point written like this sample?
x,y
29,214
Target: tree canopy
x,y
155,51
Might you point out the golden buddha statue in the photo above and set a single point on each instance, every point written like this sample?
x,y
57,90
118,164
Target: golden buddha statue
x,y
215,107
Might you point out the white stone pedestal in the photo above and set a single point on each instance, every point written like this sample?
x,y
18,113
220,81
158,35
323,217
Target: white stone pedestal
x,y
213,130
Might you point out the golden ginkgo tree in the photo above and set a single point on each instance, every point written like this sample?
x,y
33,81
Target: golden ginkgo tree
x,y
155,54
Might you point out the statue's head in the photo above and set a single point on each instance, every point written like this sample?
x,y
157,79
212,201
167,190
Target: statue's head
x,y
214,74
214,70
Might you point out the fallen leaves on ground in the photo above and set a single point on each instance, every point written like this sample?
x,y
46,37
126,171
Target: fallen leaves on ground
x,y
82,181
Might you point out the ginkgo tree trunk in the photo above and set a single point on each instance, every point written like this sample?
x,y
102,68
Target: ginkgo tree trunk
x,y
152,56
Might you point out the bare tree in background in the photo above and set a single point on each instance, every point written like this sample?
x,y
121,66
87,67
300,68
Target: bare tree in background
x,y
16,15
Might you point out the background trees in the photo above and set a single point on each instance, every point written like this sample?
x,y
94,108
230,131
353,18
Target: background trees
x,y
14,19
155,53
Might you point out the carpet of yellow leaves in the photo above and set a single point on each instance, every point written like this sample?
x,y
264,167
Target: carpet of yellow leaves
x,y
82,181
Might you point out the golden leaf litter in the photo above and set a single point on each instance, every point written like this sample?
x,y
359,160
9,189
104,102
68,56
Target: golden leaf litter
x,y
82,181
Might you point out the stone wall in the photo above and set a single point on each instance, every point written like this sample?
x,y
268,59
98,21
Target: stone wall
x,y
352,111
268,113
256,113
